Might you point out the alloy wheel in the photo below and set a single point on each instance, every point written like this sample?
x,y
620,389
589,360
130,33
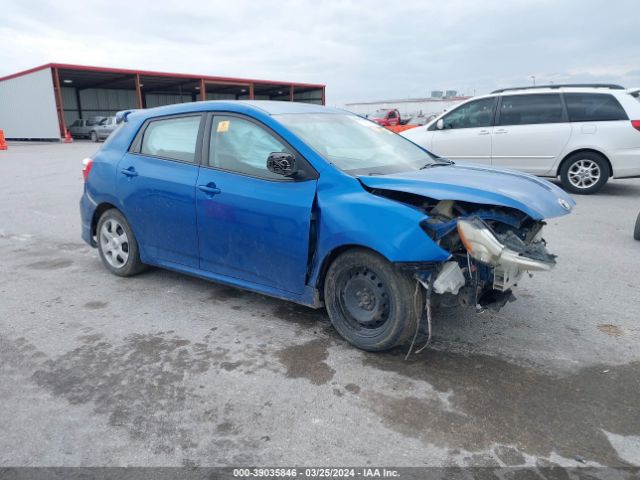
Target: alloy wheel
x,y
114,243
584,173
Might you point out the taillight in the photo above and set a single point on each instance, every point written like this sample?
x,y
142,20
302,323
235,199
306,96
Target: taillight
x,y
635,124
86,168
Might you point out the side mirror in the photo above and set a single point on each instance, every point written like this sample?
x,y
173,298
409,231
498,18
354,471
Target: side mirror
x,y
440,124
282,163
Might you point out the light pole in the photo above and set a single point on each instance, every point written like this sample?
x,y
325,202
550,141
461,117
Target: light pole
x,y
533,77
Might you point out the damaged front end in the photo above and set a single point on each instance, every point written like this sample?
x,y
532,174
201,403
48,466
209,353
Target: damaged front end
x,y
491,248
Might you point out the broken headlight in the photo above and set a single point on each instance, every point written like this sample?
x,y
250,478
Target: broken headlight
x,y
482,244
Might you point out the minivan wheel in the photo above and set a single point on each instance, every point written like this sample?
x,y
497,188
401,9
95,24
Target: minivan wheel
x,y
94,137
584,172
636,231
371,303
117,245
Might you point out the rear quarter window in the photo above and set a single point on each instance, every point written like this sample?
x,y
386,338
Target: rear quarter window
x,y
594,107
173,138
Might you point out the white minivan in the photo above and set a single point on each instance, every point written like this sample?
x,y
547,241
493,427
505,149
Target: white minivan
x,y
583,134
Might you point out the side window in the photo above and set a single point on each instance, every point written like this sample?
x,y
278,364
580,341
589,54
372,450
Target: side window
x,y
531,109
392,114
475,114
173,138
593,107
241,146
77,123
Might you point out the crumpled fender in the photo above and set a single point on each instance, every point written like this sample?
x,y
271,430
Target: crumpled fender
x,y
355,217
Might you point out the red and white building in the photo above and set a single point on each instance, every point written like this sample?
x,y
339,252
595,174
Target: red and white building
x,y
41,102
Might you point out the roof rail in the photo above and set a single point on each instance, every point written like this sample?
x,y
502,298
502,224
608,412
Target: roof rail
x,y
611,86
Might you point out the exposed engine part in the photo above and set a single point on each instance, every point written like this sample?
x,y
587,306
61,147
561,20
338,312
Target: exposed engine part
x,y
450,279
443,209
505,277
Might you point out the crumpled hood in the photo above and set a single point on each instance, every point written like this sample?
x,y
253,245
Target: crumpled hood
x,y
536,197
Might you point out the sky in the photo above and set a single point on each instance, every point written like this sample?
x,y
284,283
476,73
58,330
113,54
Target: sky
x,y
362,50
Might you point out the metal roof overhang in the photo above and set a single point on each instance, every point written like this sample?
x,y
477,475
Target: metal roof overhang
x,y
83,76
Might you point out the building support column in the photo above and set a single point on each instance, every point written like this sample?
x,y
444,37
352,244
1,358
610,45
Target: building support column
x,y
291,93
78,103
323,96
203,90
251,92
59,105
139,91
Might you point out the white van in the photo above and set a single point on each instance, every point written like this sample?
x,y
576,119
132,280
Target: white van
x,y
582,133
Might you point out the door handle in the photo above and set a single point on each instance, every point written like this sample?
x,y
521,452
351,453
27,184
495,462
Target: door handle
x,y
129,172
484,132
502,130
209,189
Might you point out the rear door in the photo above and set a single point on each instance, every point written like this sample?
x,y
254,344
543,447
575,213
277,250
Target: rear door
x,y
156,185
253,225
466,132
531,131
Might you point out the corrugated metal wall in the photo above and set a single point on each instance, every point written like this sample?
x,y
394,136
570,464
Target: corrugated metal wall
x,y
96,102
314,96
159,99
28,106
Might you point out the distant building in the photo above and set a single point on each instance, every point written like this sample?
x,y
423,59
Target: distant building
x,y
409,107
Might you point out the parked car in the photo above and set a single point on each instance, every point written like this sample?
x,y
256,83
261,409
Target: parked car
x,y
313,205
583,134
387,117
103,129
82,127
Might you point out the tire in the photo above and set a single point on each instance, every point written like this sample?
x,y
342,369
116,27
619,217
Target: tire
x,y
117,245
371,303
94,137
584,172
636,231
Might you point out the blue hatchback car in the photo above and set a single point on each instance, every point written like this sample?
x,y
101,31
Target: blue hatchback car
x,y
317,206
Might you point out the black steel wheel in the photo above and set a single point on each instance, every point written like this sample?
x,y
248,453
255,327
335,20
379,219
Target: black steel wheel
x,y
371,303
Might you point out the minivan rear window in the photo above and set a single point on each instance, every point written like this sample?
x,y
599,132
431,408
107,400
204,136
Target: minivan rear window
x,y
594,107
531,109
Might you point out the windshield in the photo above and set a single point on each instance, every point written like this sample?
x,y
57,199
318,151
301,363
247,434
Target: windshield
x,y
379,114
355,145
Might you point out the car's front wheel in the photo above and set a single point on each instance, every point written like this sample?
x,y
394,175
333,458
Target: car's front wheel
x,y
584,172
636,232
371,303
117,245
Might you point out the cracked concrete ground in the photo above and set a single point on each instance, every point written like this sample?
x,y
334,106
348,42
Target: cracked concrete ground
x,y
164,369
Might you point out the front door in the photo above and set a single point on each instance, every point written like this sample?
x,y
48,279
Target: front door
x,y
253,225
156,184
466,132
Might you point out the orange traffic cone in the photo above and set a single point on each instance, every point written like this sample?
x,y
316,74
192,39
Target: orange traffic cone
x,y
3,142
67,137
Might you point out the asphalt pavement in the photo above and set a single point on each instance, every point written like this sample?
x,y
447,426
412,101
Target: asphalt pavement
x,y
164,369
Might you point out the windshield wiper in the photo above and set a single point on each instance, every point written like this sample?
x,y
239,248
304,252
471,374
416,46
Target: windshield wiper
x,y
440,162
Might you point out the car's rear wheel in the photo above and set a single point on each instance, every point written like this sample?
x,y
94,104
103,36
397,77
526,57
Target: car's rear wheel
x,y
94,137
636,232
371,303
584,172
117,245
